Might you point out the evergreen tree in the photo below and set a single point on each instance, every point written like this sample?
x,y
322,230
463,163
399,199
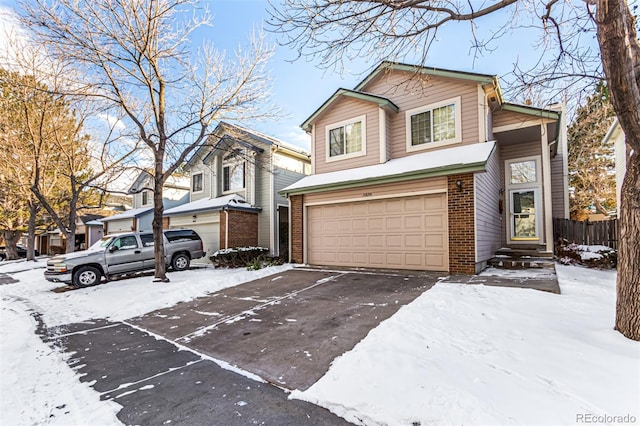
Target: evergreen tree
x,y
592,176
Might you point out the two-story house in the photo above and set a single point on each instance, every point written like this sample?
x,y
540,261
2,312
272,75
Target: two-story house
x,y
234,199
427,169
174,193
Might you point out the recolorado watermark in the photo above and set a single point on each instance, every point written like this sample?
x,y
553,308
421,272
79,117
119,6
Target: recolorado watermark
x,y
589,418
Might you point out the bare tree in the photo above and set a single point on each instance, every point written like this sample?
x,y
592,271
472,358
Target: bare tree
x,y
334,30
134,55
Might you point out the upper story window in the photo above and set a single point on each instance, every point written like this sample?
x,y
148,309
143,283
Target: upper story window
x,y
346,139
196,182
145,197
434,125
233,176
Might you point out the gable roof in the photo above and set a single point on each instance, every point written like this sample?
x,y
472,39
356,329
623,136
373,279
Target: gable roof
x,y
363,96
129,214
460,159
225,129
387,66
533,111
173,181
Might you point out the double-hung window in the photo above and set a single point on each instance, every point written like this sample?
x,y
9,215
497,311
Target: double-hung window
x,y
145,197
434,125
196,182
346,139
233,176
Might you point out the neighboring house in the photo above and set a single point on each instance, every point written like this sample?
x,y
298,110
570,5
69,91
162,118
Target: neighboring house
x,y
427,169
622,151
174,193
235,179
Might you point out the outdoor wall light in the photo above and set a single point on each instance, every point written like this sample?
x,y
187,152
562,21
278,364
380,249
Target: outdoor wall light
x,y
459,185
194,218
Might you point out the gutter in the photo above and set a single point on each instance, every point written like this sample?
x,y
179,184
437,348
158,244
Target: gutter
x,y
434,172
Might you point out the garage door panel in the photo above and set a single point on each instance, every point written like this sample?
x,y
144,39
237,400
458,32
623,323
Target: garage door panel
x,y
399,233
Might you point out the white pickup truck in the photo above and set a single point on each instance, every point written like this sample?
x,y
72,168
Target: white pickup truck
x,y
122,254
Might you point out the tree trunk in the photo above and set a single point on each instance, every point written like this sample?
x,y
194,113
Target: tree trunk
x,y
31,231
621,62
10,240
158,236
628,294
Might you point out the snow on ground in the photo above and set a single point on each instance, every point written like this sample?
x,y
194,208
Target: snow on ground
x,y
37,387
459,354
480,355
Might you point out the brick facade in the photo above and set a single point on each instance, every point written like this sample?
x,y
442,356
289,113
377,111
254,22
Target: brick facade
x,y
165,222
462,248
297,228
243,229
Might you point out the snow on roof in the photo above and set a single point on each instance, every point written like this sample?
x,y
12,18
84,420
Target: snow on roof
x,y
450,158
233,200
128,214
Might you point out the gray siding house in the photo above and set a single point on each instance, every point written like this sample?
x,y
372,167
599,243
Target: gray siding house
x,y
428,169
139,218
235,179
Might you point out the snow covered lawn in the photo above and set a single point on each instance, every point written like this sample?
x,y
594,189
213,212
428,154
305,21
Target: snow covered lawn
x,y
479,355
459,354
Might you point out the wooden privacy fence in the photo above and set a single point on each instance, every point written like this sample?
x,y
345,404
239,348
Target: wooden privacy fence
x,y
603,233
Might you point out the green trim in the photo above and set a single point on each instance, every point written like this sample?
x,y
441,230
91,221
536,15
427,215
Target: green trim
x,y
435,172
536,112
440,72
381,101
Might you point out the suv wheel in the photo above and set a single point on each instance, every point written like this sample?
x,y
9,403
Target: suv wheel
x,y
180,262
86,276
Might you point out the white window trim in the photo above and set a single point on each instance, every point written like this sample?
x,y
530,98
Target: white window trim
x,y
202,180
537,189
149,199
361,153
231,164
457,101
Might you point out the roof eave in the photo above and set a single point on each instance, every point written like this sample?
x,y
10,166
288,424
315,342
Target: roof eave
x,y
382,103
401,177
533,111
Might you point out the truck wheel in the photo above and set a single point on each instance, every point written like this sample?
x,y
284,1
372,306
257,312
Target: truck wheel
x,y
86,275
180,262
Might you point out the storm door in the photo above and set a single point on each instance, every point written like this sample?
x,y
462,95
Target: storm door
x,y
523,183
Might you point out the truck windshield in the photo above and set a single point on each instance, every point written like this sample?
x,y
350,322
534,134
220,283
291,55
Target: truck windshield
x,y
101,244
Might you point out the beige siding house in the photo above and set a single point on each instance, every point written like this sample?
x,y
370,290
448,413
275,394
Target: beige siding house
x,y
621,150
427,169
234,201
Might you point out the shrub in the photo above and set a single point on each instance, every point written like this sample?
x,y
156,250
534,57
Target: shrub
x,y
591,256
253,258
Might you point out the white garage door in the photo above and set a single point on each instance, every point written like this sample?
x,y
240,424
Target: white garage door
x,y
398,233
119,225
206,225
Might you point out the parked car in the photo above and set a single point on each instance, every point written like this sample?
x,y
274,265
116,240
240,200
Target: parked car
x,y
124,253
22,251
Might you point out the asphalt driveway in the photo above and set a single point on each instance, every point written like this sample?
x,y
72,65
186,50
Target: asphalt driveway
x,y
287,328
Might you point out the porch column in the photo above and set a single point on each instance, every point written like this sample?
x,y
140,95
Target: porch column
x,y
546,181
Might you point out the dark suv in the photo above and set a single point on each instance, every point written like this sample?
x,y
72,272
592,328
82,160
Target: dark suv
x,y
22,251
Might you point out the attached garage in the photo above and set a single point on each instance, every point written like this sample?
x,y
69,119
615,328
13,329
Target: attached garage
x,y
408,232
206,224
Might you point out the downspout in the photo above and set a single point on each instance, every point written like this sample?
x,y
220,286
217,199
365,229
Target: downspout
x,y
226,228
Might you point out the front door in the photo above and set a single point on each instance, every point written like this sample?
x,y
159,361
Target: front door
x,y
523,183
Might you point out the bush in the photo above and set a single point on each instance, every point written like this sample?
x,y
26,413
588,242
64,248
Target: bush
x,y
253,258
590,256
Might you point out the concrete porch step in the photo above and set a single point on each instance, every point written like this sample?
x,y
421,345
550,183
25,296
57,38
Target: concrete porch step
x,y
507,262
524,253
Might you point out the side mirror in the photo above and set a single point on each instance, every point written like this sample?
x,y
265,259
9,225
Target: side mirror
x,y
113,248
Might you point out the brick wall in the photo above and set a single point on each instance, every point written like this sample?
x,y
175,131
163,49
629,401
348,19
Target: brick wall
x,y
165,222
243,229
297,228
461,225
